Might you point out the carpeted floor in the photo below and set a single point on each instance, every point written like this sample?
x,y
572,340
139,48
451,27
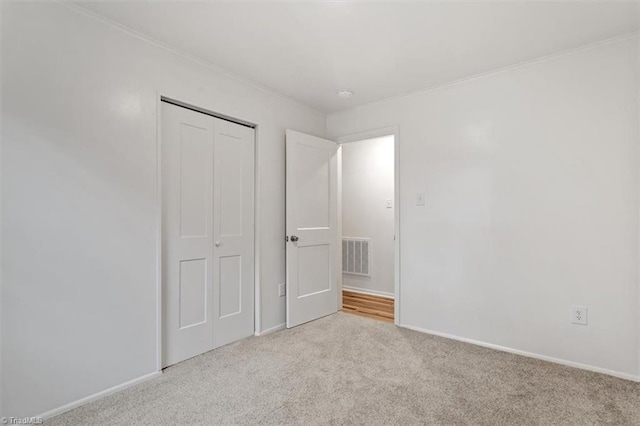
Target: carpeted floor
x,y
345,369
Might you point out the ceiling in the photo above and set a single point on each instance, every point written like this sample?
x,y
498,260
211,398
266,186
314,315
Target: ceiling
x,y
308,51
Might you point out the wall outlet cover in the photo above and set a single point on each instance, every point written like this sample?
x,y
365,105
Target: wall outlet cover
x,y
579,315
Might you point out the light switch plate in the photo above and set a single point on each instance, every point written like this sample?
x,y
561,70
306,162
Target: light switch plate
x,y
420,199
389,204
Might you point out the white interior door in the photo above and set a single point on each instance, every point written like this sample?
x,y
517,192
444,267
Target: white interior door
x,y
311,224
207,232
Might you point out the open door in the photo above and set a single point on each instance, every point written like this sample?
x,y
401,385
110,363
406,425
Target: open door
x,y
312,228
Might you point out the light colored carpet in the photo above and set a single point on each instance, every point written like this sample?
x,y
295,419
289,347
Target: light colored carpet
x,y
345,369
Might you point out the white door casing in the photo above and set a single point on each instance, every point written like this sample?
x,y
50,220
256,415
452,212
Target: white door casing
x,y
311,226
207,232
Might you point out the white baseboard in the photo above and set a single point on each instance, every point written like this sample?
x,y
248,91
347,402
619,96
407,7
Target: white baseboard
x,y
272,329
99,395
618,374
368,291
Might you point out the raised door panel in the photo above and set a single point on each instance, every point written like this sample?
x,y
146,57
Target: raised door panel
x,y
195,173
230,279
312,180
193,292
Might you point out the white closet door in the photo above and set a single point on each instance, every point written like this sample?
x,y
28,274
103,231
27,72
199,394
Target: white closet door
x,y
207,232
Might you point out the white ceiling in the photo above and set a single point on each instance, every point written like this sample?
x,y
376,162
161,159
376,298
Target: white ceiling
x,y
308,51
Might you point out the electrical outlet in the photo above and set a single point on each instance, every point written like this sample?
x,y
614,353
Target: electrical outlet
x,y
281,290
579,315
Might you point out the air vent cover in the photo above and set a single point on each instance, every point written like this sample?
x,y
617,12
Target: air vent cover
x,y
356,256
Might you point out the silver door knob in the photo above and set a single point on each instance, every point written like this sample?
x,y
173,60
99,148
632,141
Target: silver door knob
x,y
218,243
294,238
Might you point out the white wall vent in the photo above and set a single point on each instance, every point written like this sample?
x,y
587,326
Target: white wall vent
x,y
356,256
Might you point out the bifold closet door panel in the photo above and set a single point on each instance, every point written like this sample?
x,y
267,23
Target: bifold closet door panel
x,y
187,233
233,200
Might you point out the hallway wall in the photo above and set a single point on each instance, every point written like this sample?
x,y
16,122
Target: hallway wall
x,y
367,186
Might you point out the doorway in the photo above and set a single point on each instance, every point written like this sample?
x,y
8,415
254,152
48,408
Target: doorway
x,y
207,191
314,234
368,227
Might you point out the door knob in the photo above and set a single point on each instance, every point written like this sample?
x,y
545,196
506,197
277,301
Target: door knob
x,y
218,243
294,238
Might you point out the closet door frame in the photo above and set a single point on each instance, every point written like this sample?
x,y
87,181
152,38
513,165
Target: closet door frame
x,y
197,103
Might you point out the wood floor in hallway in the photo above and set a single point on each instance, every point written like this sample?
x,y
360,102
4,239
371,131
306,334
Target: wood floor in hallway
x,y
365,305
